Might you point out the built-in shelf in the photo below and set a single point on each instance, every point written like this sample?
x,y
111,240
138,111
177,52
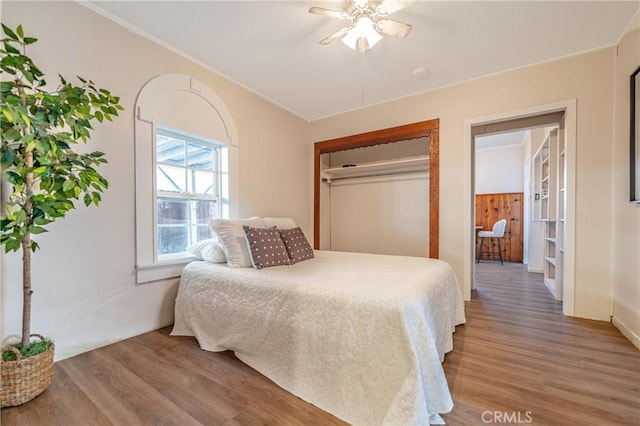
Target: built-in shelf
x,y
548,178
403,165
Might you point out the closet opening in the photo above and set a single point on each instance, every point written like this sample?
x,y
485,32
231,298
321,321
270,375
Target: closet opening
x,y
377,192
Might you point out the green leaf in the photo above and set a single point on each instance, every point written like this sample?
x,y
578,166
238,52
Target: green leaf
x,y
11,134
26,120
20,216
38,230
7,156
6,86
8,114
68,185
42,146
11,245
41,221
12,99
29,40
10,49
9,32
20,31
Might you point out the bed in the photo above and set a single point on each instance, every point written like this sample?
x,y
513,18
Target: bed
x,y
360,336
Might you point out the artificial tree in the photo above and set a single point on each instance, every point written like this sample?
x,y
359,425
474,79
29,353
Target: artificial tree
x,y
40,128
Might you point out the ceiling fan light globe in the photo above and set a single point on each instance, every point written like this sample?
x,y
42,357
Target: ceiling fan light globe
x,y
364,28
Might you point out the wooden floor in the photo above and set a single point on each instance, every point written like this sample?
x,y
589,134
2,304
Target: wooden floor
x,y
519,357
517,360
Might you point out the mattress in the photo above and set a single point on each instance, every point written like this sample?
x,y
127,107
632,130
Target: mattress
x,y
360,336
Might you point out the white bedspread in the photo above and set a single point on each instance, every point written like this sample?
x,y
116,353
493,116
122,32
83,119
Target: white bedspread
x,y
360,336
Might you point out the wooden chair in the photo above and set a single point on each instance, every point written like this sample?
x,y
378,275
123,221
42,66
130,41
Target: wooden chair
x,y
497,232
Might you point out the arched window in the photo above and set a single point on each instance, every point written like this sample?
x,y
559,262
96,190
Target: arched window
x,y
186,171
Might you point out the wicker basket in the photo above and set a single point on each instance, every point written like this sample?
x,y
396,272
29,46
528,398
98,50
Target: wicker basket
x,y
24,379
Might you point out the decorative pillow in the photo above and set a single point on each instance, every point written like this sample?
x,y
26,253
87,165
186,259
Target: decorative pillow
x,y
296,244
279,222
233,240
266,247
209,250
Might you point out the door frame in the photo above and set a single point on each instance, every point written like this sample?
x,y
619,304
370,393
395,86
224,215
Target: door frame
x,y
570,128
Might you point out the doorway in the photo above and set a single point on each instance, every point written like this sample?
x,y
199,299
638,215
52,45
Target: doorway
x,y
500,194
562,114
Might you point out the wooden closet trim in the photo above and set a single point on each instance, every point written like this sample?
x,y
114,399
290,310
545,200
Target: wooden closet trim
x,y
429,128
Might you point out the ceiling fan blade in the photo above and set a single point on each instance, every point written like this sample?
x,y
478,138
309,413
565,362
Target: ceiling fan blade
x,y
393,28
337,35
340,14
387,7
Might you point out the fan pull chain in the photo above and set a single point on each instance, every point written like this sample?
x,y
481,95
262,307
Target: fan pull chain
x,y
362,75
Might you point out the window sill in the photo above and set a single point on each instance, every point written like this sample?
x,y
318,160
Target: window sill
x,y
162,270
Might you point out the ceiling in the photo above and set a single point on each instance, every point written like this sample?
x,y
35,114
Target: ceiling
x,y
500,140
272,47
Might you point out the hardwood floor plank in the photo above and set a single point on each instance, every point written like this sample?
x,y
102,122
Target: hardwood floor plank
x,y
177,382
121,395
518,353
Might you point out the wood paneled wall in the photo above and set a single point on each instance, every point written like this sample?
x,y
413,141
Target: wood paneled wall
x,y
490,208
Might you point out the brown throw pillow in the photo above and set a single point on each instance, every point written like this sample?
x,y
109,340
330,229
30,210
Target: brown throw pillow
x,y
266,247
297,244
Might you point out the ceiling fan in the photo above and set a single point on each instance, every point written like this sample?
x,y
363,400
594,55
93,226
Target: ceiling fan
x,y
368,22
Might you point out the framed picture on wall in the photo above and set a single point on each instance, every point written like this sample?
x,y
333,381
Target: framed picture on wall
x,y
635,137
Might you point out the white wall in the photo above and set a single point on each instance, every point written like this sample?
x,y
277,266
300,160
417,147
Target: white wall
x,y
586,78
500,170
625,255
84,275
384,215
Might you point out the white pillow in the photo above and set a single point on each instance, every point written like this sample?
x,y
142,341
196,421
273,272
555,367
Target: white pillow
x,y
209,250
279,222
233,240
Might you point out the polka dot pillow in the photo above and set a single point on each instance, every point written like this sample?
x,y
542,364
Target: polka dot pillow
x,y
297,244
266,247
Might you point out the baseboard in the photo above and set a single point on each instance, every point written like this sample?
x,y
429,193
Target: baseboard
x,y
534,270
80,349
626,332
